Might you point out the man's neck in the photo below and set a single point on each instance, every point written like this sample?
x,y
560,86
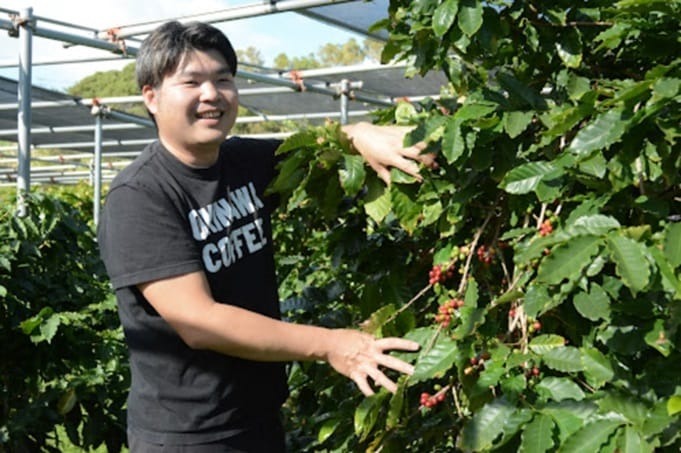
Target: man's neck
x,y
202,157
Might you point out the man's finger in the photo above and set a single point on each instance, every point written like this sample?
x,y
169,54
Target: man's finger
x,y
381,379
415,150
362,384
397,343
395,364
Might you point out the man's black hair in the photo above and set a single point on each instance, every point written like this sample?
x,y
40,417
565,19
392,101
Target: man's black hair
x,y
163,50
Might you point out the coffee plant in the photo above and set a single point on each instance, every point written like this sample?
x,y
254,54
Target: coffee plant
x,y
64,364
537,263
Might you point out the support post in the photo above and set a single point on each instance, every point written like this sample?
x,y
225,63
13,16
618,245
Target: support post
x,y
24,26
97,164
344,92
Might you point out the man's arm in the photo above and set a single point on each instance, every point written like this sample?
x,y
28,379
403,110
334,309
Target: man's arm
x,y
383,147
186,304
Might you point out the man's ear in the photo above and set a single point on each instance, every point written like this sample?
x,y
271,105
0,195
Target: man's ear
x,y
150,98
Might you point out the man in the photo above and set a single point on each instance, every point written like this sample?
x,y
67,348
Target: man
x,y
186,238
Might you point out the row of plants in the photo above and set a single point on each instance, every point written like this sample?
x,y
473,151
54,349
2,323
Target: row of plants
x,y
64,369
537,263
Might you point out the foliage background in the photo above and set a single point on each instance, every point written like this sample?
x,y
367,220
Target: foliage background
x,y
555,207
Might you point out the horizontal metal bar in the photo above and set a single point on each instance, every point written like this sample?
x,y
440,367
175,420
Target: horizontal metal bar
x,y
69,129
237,12
73,39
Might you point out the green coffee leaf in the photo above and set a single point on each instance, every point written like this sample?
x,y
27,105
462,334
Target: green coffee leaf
x,y
48,329
302,139
542,344
667,87
569,415
591,437
602,132
366,413
537,300
444,16
352,174
474,110
674,405
514,423
327,429
519,93
658,338
537,436
625,405
559,389
593,305
377,203
672,244
630,441
569,47
406,209
437,361
597,367
396,405
669,280
567,359
516,122
470,319
486,425
453,143
471,296
568,260
596,224
470,16
526,177
630,261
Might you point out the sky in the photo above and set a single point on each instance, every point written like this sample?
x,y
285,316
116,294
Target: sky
x,y
273,34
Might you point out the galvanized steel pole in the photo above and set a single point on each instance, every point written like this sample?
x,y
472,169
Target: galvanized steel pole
x,y
97,163
24,25
344,91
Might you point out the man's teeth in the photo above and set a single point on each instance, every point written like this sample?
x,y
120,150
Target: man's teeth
x,y
213,114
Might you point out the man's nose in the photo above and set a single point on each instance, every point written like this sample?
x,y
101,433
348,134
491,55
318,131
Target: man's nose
x,y
209,91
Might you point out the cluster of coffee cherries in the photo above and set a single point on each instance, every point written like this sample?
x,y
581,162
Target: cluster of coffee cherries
x,y
485,254
428,400
546,228
477,362
446,310
534,371
438,274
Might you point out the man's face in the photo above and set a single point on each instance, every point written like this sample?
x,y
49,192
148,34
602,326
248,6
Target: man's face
x,y
196,106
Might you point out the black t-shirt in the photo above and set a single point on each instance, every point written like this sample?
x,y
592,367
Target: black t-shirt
x,y
163,219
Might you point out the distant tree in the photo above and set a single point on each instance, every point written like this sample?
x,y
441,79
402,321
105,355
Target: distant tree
x,y
250,55
107,83
283,61
341,54
373,49
111,83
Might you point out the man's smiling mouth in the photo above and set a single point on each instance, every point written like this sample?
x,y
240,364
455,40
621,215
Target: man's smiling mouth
x,y
213,114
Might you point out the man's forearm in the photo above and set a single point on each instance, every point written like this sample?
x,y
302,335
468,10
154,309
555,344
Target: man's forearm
x,y
241,333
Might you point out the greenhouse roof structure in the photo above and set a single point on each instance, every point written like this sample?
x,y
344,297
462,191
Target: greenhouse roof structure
x,y
92,138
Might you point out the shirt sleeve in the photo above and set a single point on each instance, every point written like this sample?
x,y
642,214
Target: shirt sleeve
x,y
142,238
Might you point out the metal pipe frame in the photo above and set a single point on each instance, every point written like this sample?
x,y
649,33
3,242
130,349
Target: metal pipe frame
x,y
73,39
24,112
237,12
97,170
61,62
